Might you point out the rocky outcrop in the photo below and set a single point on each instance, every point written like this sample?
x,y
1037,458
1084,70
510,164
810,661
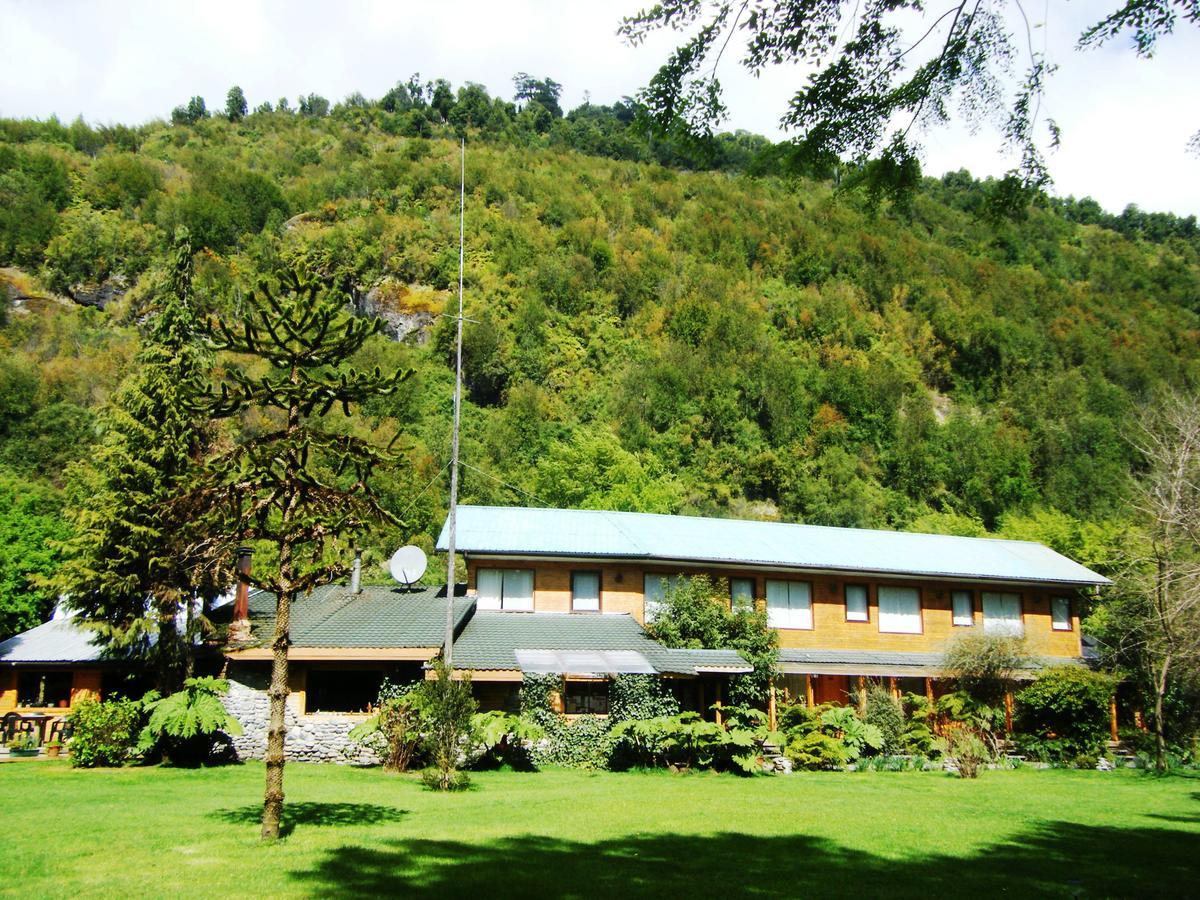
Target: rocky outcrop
x,y
404,311
322,738
18,292
100,295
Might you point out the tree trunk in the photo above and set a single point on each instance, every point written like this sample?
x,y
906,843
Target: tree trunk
x,y
277,725
167,649
1160,740
189,646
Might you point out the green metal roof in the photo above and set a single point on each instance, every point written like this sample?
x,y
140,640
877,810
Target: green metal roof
x,y
492,639
378,617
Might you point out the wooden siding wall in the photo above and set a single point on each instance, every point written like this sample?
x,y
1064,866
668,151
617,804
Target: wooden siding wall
x,y
621,588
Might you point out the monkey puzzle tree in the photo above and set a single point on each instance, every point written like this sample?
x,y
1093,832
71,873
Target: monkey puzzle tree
x,y
139,557
296,482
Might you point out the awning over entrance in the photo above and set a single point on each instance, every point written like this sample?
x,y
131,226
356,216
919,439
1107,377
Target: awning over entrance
x,y
595,663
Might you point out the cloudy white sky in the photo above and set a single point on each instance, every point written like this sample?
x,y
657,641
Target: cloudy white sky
x,y
1125,121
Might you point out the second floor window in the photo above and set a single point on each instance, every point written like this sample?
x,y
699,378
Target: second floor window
x,y
964,608
1002,613
856,603
1060,613
505,589
789,604
899,610
655,588
741,593
585,592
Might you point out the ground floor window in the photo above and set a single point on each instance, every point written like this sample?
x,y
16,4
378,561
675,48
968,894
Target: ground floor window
x,y
342,690
36,687
585,697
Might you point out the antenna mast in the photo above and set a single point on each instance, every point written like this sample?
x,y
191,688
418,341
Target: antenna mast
x,y
451,519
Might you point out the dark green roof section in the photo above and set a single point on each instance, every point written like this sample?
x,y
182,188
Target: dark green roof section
x,y
490,641
384,616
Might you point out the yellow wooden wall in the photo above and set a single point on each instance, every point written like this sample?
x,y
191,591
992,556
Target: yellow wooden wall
x,y
622,587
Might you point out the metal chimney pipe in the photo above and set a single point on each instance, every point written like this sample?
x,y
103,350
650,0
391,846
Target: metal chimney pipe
x,y
356,573
240,628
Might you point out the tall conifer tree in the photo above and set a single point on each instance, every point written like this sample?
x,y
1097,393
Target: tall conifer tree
x,y
137,561
298,485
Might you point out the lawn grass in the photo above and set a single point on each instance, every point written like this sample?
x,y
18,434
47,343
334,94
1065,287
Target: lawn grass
x,y
160,831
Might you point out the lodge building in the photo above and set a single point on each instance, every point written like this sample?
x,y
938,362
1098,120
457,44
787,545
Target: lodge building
x,y
567,593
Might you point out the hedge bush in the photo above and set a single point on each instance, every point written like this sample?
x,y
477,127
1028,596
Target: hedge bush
x,y
104,733
1071,704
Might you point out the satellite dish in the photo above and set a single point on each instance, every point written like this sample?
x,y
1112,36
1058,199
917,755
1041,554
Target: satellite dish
x,y
407,565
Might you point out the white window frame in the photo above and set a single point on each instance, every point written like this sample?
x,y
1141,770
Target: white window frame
x,y
501,600
1065,623
1003,623
891,621
962,619
857,615
789,605
586,604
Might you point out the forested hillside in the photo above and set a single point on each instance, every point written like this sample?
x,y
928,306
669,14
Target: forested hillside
x,y
722,341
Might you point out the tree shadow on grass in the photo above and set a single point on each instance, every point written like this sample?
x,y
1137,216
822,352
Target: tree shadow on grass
x,y
332,815
1055,859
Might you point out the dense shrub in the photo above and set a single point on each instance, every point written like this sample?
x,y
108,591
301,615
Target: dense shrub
x,y
986,665
826,736
502,739
584,742
1069,703
696,613
396,731
971,755
686,741
886,713
447,710
104,733
93,245
815,751
640,697
189,725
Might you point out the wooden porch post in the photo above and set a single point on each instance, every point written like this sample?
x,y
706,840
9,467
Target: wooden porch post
x,y
771,711
1008,712
1112,719
892,687
862,694
808,692
720,718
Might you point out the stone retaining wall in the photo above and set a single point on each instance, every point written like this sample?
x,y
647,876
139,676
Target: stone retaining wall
x,y
309,738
